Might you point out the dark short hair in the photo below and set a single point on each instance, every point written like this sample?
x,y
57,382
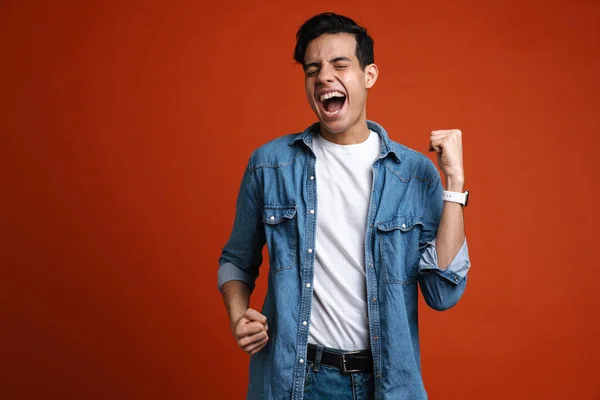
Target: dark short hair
x,y
330,23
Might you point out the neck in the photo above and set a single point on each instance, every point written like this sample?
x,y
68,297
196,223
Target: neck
x,y
357,133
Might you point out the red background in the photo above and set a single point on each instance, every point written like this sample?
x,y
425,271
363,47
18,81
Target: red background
x,y
125,128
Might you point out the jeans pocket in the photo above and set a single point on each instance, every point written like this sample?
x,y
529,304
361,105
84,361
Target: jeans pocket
x,y
310,377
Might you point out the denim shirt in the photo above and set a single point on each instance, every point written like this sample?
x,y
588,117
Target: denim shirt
x,y
274,204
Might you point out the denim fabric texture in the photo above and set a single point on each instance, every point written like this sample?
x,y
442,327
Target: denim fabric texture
x,y
277,206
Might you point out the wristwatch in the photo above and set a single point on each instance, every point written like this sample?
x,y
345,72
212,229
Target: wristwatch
x,y
456,197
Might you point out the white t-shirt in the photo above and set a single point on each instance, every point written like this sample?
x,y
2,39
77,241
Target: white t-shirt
x,y
344,184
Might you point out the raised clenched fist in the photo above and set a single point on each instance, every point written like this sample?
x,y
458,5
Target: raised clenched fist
x,y
448,146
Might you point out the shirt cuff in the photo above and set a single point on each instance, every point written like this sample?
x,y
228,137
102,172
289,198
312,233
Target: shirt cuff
x,y
456,271
231,272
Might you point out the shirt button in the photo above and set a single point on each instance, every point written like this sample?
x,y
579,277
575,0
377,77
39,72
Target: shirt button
x,y
312,211
374,299
312,178
456,279
404,225
272,218
304,323
308,285
301,361
310,250
371,265
376,338
378,376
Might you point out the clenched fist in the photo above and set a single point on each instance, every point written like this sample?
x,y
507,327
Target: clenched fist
x,y
250,331
448,146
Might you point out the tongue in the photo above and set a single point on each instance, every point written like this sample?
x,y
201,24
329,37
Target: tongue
x,y
334,104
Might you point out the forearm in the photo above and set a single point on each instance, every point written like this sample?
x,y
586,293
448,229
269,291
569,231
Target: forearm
x,y
451,231
236,295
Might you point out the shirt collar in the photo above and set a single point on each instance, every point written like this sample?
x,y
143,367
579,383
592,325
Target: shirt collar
x,y
387,146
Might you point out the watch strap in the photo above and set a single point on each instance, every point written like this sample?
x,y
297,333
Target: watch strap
x,y
456,197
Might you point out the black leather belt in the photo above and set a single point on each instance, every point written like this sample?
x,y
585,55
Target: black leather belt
x,y
349,361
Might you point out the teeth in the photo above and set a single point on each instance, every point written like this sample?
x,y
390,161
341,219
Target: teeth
x,y
329,95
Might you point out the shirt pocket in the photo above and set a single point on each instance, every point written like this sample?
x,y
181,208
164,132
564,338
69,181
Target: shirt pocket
x,y
281,235
399,249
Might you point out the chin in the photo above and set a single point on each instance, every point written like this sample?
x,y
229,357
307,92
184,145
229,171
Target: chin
x,y
334,126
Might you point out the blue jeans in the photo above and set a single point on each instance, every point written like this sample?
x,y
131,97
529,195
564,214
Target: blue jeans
x,y
329,383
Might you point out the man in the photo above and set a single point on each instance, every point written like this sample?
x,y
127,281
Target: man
x,y
353,222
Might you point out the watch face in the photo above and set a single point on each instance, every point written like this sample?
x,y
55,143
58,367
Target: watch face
x,y
466,197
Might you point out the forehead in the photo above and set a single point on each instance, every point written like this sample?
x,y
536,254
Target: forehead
x,y
330,46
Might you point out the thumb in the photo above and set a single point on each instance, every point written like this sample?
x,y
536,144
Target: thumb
x,y
254,315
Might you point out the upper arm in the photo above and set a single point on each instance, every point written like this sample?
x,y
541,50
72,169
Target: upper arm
x,y
247,239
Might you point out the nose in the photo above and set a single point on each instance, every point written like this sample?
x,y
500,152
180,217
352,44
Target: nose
x,y
325,75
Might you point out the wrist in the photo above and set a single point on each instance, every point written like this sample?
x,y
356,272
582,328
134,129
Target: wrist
x,y
236,313
455,184
234,320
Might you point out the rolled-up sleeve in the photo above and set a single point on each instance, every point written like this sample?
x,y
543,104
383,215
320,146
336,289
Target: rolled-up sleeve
x,y
231,272
441,288
242,254
456,271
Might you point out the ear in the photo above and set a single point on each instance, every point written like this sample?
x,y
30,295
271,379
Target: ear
x,y
371,74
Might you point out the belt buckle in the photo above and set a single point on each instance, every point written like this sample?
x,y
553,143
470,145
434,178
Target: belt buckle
x,y
344,369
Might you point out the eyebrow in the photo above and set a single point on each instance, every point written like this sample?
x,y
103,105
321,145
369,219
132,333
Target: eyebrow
x,y
318,64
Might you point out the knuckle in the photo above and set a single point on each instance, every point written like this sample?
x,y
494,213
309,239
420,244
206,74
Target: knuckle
x,y
254,327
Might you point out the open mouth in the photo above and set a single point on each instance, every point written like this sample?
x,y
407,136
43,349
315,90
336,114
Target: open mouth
x,y
332,103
